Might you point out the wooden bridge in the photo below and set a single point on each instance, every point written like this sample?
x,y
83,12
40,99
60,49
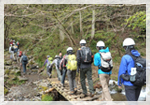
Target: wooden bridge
x,y
64,91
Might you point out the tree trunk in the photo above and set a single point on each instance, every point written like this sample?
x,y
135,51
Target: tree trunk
x,y
81,30
65,31
61,34
72,29
93,26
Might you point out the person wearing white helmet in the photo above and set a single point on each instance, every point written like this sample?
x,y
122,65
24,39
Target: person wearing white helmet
x,y
55,61
127,63
63,63
48,62
84,61
71,73
103,75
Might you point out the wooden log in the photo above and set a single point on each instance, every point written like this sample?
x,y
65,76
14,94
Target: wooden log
x,y
49,90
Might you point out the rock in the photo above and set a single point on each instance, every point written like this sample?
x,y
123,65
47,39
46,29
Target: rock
x,y
34,70
7,71
12,77
8,62
22,78
43,84
8,67
30,57
15,67
12,71
18,72
6,76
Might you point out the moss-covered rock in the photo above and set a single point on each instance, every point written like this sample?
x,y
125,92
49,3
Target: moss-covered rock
x,y
6,76
12,71
46,97
5,91
12,77
7,71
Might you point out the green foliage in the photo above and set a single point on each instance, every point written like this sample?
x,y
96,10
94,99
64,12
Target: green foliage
x,y
7,71
46,97
5,91
138,20
15,82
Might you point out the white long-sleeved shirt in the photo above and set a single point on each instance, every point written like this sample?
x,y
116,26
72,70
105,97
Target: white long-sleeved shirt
x,y
54,62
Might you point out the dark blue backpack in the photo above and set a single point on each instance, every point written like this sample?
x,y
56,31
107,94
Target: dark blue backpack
x,y
24,59
139,79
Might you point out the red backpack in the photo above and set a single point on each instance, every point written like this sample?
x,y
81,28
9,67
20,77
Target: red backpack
x,y
20,53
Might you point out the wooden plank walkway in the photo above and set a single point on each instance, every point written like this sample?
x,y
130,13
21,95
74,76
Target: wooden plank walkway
x,y
64,91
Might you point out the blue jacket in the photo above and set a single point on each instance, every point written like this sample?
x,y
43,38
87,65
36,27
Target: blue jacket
x,y
125,67
97,61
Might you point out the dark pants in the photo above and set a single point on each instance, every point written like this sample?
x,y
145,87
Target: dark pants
x,y
24,68
132,92
87,72
64,75
49,70
71,78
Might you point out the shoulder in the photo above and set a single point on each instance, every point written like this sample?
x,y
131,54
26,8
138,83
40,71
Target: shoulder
x,y
97,55
79,49
127,58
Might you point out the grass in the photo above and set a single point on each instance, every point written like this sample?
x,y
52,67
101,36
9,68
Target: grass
x,y
7,71
5,91
46,97
14,82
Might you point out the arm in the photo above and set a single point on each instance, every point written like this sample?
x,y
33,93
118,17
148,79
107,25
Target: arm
x,y
21,59
78,58
92,57
45,62
53,63
122,70
97,60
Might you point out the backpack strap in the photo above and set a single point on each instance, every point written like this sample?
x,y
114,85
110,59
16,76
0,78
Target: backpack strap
x,y
133,57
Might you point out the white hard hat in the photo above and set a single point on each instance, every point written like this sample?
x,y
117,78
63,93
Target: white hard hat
x,y
69,48
56,56
100,44
128,42
83,41
48,56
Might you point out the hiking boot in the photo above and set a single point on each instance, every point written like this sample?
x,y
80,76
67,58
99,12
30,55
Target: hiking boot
x,y
83,95
91,94
75,90
50,76
62,84
71,93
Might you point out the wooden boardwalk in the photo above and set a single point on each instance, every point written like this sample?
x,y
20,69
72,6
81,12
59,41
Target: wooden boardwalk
x,y
64,91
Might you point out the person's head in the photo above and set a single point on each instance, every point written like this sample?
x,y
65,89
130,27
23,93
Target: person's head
x,y
48,56
69,50
100,45
56,56
17,42
60,54
128,44
82,42
24,53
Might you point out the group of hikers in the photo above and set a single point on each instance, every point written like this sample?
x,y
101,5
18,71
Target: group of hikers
x,y
17,55
132,71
